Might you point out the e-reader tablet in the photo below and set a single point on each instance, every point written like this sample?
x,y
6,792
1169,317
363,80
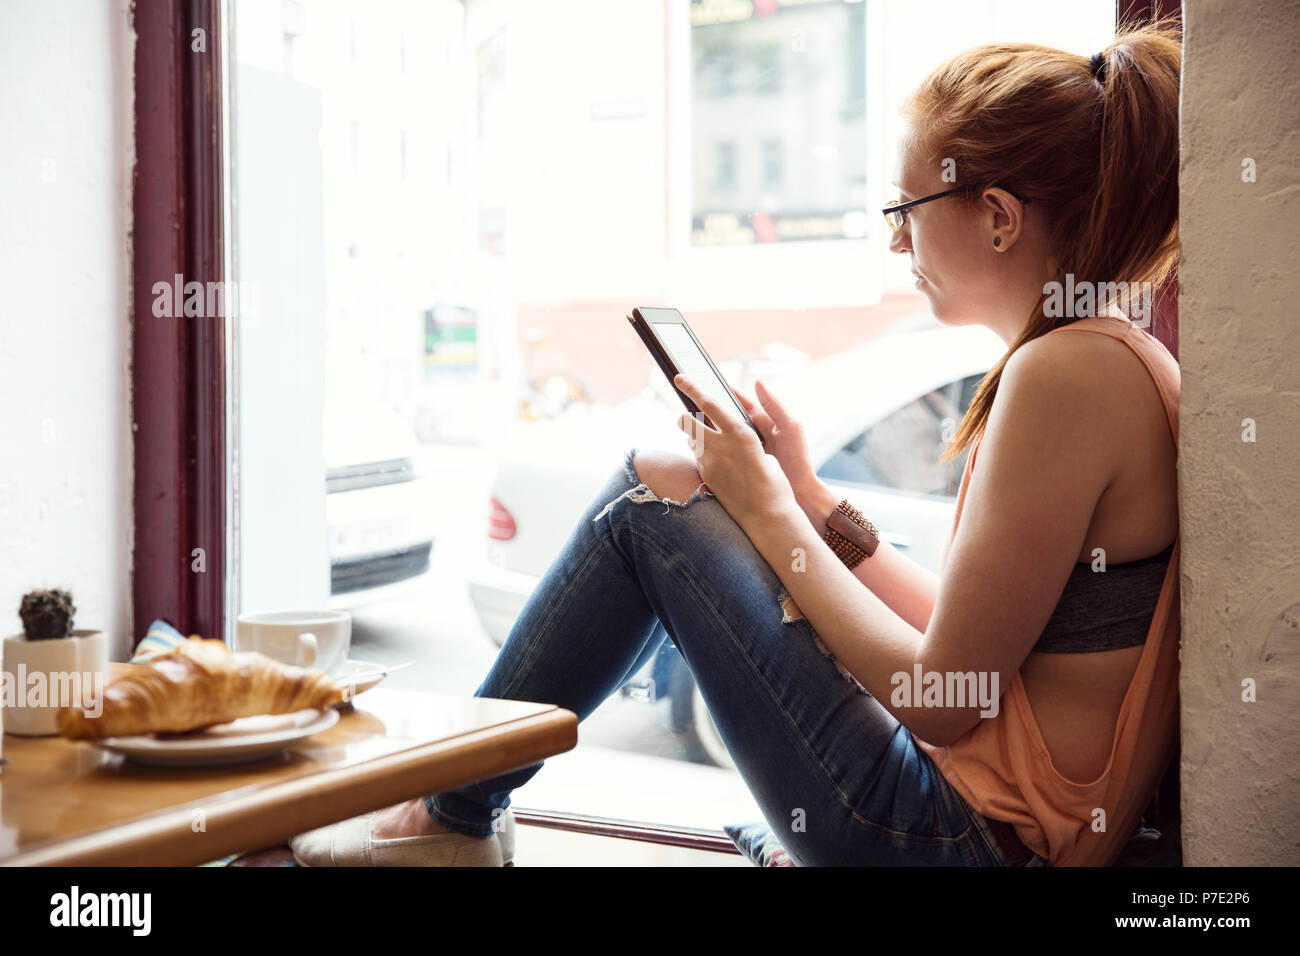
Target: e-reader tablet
x,y
675,348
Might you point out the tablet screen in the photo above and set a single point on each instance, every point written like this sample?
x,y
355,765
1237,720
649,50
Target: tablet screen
x,y
691,362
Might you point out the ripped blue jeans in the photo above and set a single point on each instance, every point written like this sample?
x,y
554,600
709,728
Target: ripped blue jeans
x,y
838,779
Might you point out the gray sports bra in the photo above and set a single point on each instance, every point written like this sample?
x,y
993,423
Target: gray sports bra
x,y
1106,610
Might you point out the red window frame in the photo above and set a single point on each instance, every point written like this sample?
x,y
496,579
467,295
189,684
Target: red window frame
x,y
1164,319
178,369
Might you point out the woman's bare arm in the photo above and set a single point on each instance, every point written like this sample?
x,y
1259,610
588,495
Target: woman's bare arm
x,y
908,589
905,587
1044,461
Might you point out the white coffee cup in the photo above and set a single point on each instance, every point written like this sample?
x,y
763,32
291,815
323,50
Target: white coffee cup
x,y
318,639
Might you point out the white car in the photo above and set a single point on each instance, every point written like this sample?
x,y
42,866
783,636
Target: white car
x,y
376,505
877,417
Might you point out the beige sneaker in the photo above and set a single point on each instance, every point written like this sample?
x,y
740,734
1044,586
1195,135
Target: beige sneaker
x,y
349,844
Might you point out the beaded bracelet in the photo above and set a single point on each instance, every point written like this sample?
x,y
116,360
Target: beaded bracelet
x,y
850,535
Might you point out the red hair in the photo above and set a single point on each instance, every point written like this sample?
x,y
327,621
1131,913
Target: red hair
x,y
1098,158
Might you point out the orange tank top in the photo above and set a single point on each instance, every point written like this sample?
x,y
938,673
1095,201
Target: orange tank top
x,y
1002,767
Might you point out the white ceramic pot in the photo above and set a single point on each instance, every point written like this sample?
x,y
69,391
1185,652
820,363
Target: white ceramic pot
x,y
39,677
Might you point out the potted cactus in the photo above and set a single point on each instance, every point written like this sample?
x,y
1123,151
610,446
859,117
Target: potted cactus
x,y
47,615
50,665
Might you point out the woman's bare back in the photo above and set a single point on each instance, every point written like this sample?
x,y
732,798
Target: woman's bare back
x,y
1076,698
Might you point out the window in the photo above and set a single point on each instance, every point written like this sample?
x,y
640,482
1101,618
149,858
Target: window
x,y
724,166
801,93
441,377
772,163
767,66
718,76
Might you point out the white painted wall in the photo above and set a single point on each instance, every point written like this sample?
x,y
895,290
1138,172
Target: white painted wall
x,y
65,203
1240,499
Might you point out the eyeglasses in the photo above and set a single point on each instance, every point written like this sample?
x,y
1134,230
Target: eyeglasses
x,y
895,213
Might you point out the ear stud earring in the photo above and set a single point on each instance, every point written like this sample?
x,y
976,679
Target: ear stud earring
x,y
997,241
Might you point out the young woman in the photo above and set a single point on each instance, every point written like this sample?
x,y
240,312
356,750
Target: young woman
x,y
1022,166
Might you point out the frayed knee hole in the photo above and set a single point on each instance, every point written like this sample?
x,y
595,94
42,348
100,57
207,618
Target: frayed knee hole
x,y
790,614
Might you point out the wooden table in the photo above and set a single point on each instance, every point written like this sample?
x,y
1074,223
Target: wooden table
x,y
69,803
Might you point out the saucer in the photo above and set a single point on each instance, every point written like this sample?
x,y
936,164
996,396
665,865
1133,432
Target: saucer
x,y
239,741
363,675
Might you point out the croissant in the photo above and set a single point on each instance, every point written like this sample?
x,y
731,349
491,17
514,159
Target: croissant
x,y
197,684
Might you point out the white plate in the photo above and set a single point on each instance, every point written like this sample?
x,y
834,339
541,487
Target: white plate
x,y
363,675
240,741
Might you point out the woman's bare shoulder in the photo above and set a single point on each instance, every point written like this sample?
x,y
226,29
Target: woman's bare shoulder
x,y
1121,427
1110,380
1073,342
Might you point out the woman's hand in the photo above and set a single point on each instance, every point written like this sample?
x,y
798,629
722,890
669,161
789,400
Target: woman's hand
x,y
730,458
782,435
